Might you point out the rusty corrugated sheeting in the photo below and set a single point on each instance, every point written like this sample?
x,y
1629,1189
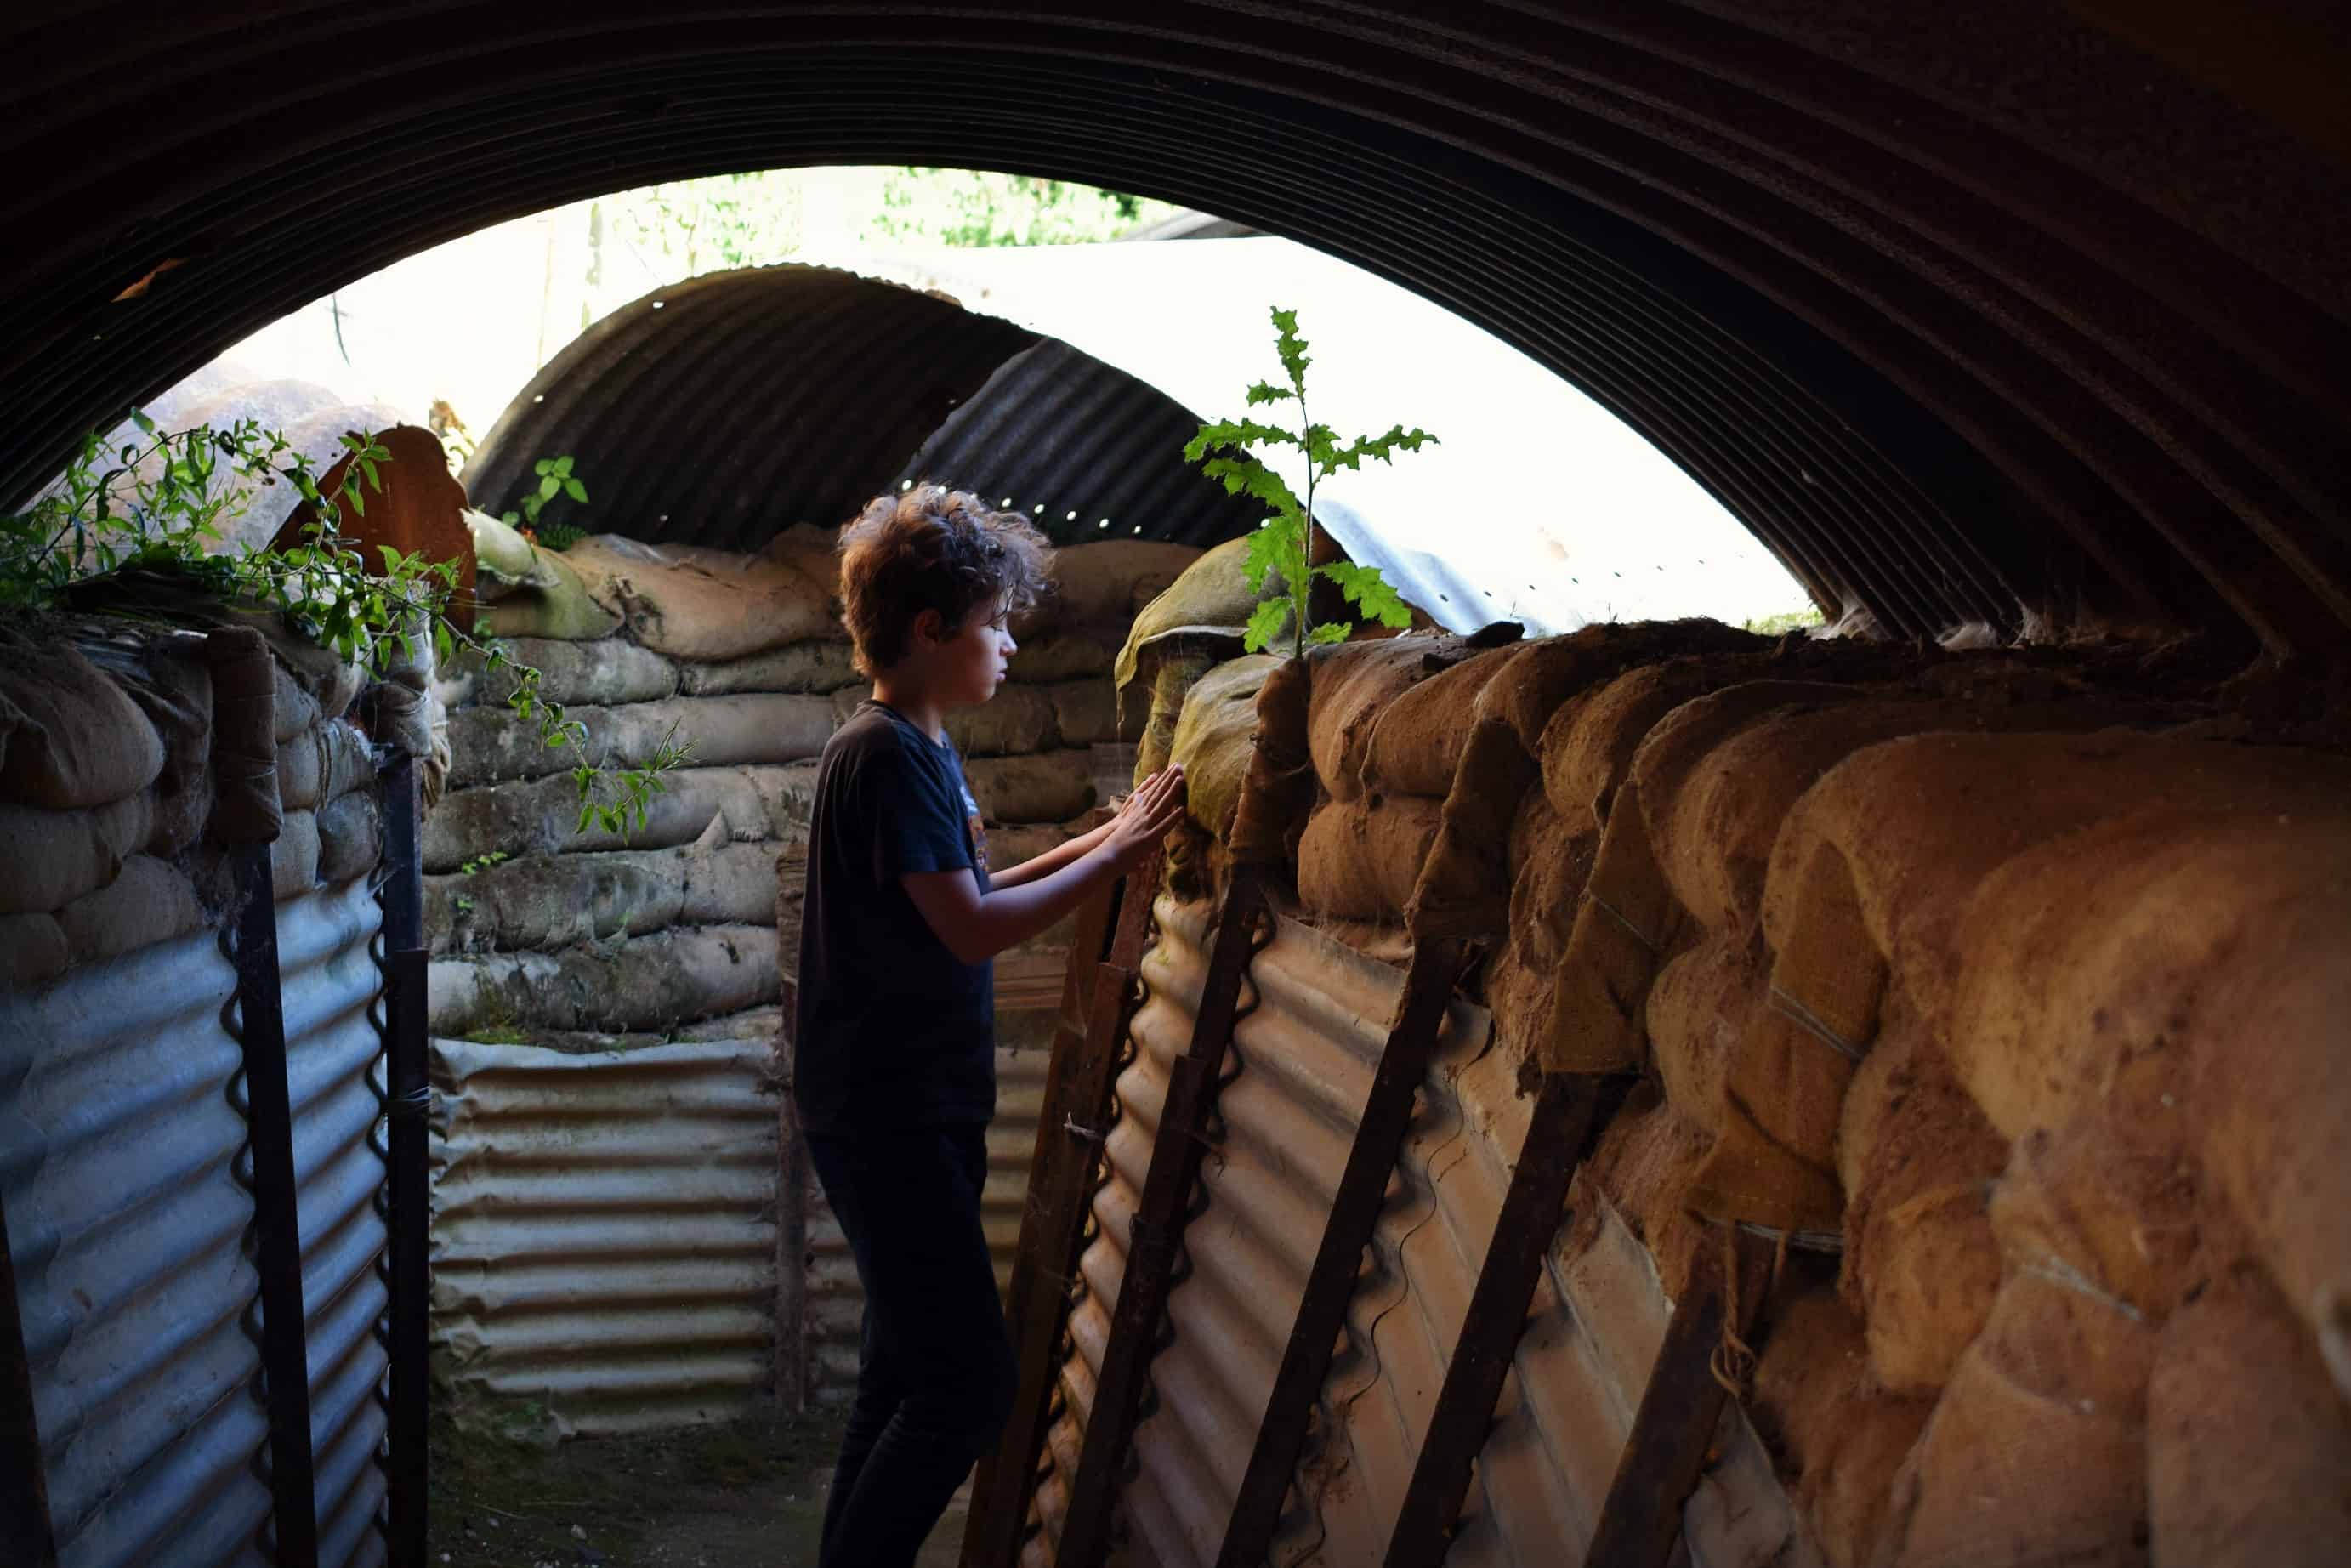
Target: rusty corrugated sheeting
x,y
1954,307
725,409
1305,1053
127,1219
1086,449
604,1230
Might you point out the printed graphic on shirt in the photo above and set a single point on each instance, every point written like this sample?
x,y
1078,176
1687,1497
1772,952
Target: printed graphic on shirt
x,y
978,831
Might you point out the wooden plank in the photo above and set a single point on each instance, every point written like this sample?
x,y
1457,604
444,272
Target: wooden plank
x,y
1097,992
407,1173
1570,1110
1331,1284
1158,1232
1680,1409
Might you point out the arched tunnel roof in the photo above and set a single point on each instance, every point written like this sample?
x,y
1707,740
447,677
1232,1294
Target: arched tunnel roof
x,y
1953,307
724,409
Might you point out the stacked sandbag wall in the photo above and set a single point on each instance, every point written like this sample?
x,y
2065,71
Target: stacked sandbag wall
x,y
1996,991
572,966
131,758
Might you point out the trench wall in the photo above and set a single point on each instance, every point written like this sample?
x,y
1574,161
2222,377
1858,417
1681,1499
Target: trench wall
x,y
1998,990
123,1137
624,1216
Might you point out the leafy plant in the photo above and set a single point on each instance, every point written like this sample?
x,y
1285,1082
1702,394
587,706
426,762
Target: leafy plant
x,y
482,863
554,479
1280,544
134,527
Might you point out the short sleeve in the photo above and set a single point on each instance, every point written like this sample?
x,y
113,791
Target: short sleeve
x,y
918,817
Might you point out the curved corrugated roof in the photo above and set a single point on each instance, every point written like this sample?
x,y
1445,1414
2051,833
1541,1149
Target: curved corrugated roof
x,y
725,409
1086,449
1951,306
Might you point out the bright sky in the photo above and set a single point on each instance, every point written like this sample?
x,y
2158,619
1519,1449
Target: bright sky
x,y
1537,504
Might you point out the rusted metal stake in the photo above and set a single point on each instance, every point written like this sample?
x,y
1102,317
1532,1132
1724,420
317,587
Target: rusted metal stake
x,y
277,1220
1569,1111
1095,994
1679,1410
1355,1210
407,1080
24,1480
1158,1232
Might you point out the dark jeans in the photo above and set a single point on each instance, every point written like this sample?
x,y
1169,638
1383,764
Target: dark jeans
x,y
934,1368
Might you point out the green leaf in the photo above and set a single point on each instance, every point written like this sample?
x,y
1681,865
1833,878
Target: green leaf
x,y
1270,549
549,486
542,465
1368,591
139,417
1265,392
1265,623
1238,434
1248,476
575,490
561,468
1329,632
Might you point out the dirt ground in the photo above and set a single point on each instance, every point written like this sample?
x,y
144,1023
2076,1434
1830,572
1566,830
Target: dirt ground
x,y
744,1495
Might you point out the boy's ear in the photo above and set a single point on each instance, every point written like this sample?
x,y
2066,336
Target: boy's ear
x,y
930,626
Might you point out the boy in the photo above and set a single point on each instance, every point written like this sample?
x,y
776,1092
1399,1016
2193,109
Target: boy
x,y
895,1072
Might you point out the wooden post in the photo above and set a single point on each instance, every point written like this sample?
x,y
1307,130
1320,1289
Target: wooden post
x,y
24,1480
1096,999
407,1161
1158,1231
1355,1211
285,1379
1679,1411
1568,1112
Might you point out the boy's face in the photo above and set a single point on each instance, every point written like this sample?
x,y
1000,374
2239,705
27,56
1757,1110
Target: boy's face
x,y
970,661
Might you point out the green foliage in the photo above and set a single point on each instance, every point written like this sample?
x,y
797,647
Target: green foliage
x,y
555,479
1781,624
137,529
979,207
482,863
1280,544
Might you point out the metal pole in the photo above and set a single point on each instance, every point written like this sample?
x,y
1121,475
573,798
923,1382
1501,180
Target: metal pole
x,y
407,1176
23,1481
276,1221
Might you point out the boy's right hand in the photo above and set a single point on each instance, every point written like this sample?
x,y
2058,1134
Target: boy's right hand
x,y
1144,819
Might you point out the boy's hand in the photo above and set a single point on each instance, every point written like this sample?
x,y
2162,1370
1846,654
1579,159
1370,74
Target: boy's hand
x,y
1144,819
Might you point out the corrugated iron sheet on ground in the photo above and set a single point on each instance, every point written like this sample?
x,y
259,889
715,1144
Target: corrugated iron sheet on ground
x,y
604,1230
1306,1054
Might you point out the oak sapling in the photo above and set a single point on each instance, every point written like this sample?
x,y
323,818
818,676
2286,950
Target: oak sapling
x,y
1280,544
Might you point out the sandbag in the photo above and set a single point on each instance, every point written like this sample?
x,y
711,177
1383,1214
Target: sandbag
x,y
1200,614
1070,655
1644,1162
1358,859
1417,743
1843,1435
32,950
693,603
650,982
246,678
350,837
1049,787
71,738
329,759
1918,1161
1016,719
1215,738
539,816
148,902
52,858
2036,1454
547,900
2248,1442
173,688
819,667
1696,1011
1171,679
294,856
1279,792
1549,858
1463,889
1353,683
1086,712
765,729
1108,583
603,673
1528,689
559,605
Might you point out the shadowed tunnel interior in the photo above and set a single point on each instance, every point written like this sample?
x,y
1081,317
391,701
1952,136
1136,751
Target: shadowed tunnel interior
x,y
1975,312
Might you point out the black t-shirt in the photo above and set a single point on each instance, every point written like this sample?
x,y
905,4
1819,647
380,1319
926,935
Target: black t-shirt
x,y
894,1029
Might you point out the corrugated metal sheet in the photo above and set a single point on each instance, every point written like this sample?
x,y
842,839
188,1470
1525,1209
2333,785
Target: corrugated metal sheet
x,y
1943,303
1306,1054
334,1068
722,410
604,1230
116,1136
1086,449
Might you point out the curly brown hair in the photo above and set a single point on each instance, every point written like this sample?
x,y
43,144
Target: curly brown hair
x,y
930,548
